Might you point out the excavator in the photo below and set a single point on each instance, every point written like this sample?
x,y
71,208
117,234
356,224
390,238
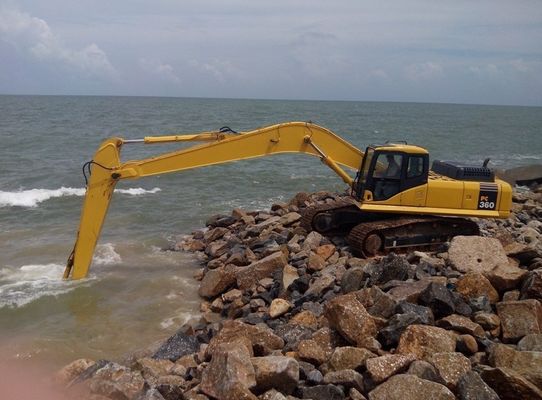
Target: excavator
x,y
395,200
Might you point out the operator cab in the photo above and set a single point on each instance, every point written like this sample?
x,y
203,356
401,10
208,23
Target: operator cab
x,y
389,169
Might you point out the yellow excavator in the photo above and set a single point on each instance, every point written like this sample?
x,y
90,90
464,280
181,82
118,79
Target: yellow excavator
x,y
396,201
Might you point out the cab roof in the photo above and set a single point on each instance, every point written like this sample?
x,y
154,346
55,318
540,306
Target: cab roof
x,y
401,147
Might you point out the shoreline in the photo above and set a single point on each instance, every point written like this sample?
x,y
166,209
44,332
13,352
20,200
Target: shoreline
x,y
286,314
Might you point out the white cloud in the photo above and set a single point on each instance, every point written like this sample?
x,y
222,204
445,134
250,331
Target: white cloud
x,y
156,67
220,70
423,71
34,36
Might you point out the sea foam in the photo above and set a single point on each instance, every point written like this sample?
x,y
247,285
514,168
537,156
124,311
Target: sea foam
x,y
32,197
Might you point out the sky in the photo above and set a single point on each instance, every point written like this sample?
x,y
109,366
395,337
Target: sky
x,y
474,52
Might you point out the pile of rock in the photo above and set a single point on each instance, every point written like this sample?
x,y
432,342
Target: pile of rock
x,y
289,314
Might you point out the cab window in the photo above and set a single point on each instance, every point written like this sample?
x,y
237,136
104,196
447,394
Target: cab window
x,y
415,166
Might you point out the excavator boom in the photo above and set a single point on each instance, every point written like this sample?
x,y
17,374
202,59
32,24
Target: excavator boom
x,y
107,169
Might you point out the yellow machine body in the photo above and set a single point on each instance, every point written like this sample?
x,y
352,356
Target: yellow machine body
x,y
439,195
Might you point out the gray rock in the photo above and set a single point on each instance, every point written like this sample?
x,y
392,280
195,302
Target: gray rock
x,y
532,342
424,370
472,387
391,267
177,346
510,385
390,334
323,392
352,280
439,299
278,372
346,377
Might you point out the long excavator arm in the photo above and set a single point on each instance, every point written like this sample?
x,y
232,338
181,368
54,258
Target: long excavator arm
x,y
107,169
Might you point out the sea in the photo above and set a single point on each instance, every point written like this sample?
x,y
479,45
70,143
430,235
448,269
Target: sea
x,y
138,291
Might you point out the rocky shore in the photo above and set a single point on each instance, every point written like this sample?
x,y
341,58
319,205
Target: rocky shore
x,y
288,314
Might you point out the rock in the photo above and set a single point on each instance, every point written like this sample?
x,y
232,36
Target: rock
x,y
279,307
381,368
320,347
511,295
349,358
510,385
424,313
356,395
345,377
324,392
289,219
451,367
170,387
390,334
315,263
315,377
150,394
348,316
289,275
305,318
278,372
461,324
214,234
292,334
471,387
411,291
476,254
321,284
272,395
423,341
177,346
71,371
410,387
466,344
217,281
486,256
391,267
532,285
312,241
230,373
116,381
376,302
523,175
473,285
325,251
250,275
439,299
232,295
526,363
151,367
299,199
519,318
488,321
521,252
352,280
424,370
262,338
532,342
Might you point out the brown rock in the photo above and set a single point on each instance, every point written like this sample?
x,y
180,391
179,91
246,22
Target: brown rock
x,y
531,342
410,387
345,377
411,291
312,241
232,295
473,285
511,295
316,263
349,358
320,284
526,363
250,275
461,324
305,318
215,234
376,302
230,374
348,316
71,371
532,286
262,338
151,367
289,275
423,341
289,219
319,347
116,381
381,368
217,281
488,321
279,307
486,256
466,344
325,251
450,366
510,385
278,372
519,318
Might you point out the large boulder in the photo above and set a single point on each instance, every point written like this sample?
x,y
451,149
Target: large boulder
x,y
348,316
423,341
410,387
116,381
217,281
519,318
526,363
487,256
250,275
510,385
262,338
278,372
230,374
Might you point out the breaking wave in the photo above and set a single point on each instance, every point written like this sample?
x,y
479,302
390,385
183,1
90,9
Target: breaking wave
x,y
32,197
